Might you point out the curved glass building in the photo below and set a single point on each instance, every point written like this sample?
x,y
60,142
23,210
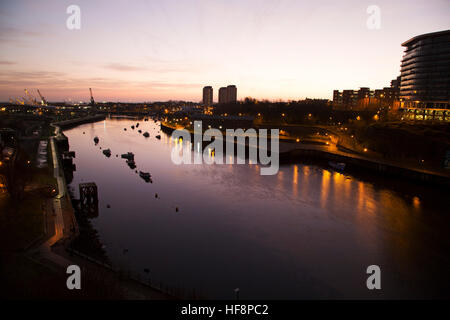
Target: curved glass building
x,y
425,75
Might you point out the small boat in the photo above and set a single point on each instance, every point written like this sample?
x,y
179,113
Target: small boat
x,y
337,165
131,163
128,155
145,175
146,134
158,137
107,152
96,140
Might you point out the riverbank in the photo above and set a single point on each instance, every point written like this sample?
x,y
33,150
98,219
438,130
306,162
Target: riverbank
x,y
67,124
292,152
51,253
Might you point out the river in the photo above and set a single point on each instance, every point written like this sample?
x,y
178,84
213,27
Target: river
x,y
307,232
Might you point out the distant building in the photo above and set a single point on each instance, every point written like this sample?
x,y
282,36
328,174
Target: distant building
x,y
366,99
337,98
396,83
207,96
425,76
349,98
228,94
223,96
231,94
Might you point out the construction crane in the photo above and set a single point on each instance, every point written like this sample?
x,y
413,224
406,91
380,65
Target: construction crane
x,y
43,101
20,101
92,98
31,99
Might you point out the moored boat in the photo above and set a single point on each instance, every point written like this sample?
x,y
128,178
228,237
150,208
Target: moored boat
x,y
145,175
107,152
131,163
337,165
128,155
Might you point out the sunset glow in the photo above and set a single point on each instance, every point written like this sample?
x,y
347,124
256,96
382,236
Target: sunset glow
x,y
161,50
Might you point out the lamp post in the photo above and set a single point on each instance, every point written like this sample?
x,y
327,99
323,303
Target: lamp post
x,y
147,271
236,291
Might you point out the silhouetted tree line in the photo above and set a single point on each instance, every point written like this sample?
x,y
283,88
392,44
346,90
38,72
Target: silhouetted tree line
x,y
419,141
310,111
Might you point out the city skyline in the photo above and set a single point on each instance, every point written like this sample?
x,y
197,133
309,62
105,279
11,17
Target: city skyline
x,y
270,50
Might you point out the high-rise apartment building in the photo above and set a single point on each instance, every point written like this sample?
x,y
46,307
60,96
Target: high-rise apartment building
x,y
228,94
223,96
207,96
425,77
231,94
425,72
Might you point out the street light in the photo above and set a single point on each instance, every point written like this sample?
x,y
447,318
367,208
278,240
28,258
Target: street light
x,y
236,291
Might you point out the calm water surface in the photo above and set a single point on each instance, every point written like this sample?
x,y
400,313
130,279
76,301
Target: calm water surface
x,y
307,232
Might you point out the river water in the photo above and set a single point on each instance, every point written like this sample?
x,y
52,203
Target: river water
x,y
307,232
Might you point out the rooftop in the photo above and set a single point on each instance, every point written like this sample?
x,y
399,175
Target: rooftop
x,y
425,35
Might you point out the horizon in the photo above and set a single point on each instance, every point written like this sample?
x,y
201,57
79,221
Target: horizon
x,y
161,51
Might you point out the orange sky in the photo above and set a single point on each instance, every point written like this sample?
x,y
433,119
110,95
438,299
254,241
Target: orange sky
x,y
161,50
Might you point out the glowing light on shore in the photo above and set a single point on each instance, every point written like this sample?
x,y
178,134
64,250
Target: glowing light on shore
x,y
416,202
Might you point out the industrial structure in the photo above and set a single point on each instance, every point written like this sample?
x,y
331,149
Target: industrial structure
x,y
43,101
92,97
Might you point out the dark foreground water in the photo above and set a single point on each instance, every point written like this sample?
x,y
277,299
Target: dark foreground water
x,y
307,232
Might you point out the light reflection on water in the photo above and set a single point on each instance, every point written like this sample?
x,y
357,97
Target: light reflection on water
x,y
307,232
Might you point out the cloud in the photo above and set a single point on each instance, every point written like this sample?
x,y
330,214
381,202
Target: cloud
x,y
156,67
64,85
16,32
124,67
19,37
4,62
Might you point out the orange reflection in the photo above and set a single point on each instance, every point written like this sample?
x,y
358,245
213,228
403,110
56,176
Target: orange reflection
x,y
416,202
295,181
360,197
324,190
